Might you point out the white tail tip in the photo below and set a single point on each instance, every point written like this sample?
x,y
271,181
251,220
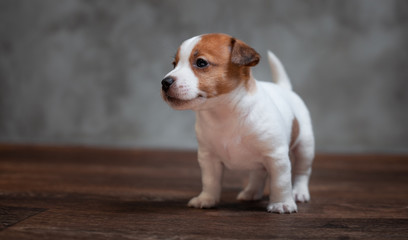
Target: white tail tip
x,y
279,75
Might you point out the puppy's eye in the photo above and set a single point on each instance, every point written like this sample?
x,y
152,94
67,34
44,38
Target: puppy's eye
x,y
201,63
174,64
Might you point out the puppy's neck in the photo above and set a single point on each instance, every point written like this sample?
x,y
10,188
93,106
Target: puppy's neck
x,y
228,106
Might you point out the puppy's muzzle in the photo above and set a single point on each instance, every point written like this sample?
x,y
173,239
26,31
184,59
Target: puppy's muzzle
x,y
166,83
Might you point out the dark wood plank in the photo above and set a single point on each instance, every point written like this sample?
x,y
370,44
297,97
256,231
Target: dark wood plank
x,y
12,215
91,193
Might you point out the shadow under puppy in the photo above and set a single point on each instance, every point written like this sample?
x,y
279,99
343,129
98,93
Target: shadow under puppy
x,y
242,123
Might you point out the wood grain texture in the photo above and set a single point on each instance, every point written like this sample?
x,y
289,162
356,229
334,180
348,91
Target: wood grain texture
x,y
90,193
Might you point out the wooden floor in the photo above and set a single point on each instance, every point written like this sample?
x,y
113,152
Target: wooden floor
x,y
81,193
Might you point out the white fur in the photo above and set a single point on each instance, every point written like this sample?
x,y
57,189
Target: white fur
x,y
186,86
279,75
239,130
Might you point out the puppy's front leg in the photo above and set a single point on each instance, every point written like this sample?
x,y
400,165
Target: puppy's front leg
x,y
211,175
280,198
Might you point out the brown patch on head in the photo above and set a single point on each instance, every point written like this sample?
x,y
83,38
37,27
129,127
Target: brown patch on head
x,y
295,131
229,61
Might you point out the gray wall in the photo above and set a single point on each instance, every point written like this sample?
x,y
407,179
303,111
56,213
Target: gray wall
x,y
89,72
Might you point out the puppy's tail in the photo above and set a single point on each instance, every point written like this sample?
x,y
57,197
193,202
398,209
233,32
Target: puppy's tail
x,y
279,75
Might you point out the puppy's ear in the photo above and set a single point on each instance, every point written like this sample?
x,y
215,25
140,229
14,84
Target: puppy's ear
x,y
242,54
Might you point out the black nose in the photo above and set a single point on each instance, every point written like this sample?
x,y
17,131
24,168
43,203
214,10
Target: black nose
x,y
166,83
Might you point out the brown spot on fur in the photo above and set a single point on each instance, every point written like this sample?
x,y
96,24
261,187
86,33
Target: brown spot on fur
x,y
222,75
250,85
295,132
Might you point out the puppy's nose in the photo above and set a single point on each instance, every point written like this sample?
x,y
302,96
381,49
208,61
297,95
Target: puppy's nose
x,y
166,83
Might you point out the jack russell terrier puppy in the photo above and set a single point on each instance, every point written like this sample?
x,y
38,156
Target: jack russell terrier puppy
x,y
242,123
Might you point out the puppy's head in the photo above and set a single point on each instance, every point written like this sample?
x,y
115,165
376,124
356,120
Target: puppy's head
x,y
205,67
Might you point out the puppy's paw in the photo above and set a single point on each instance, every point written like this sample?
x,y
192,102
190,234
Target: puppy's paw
x,y
282,207
301,193
202,201
249,195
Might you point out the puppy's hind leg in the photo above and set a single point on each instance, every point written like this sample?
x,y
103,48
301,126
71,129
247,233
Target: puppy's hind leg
x,y
303,154
254,190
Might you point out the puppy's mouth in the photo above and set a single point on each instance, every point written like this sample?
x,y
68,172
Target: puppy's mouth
x,y
178,102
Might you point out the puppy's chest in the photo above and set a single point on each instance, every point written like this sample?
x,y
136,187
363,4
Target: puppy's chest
x,y
236,148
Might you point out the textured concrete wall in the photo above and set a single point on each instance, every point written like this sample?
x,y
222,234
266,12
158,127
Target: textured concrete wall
x,y
88,72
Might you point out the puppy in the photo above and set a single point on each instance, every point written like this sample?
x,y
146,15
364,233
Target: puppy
x,y
242,123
